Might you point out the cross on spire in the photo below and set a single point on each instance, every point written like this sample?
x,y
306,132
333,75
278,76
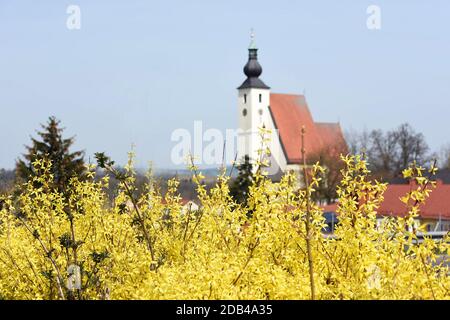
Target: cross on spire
x,y
252,39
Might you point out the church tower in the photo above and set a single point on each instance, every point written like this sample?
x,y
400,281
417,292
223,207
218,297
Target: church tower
x,y
253,107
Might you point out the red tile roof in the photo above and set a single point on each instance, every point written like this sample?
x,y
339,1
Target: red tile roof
x,y
435,207
290,112
330,207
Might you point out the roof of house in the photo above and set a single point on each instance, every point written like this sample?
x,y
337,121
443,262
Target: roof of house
x,y
329,207
289,113
437,206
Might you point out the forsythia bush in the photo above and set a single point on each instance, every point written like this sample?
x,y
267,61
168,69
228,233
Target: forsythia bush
x,y
77,245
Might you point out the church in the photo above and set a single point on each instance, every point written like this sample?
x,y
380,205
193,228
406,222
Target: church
x,y
284,115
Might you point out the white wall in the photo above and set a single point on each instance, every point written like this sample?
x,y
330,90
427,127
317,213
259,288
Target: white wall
x,y
258,114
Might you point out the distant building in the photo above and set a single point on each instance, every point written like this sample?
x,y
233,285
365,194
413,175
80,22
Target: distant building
x,y
189,206
283,113
434,213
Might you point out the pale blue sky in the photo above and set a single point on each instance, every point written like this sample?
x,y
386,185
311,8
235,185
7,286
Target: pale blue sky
x,y
137,70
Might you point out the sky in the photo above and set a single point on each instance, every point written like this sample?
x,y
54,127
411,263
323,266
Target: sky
x,y
138,70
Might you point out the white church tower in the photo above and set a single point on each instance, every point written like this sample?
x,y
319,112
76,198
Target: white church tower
x,y
253,107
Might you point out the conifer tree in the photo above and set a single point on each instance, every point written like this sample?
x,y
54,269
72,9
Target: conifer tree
x,y
52,146
240,188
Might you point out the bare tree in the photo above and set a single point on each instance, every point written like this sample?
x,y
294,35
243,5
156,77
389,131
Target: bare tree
x,y
383,153
329,158
357,142
443,157
6,180
390,152
412,146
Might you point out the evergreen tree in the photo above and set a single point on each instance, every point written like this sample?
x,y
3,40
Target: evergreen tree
x,y
240,188
65,164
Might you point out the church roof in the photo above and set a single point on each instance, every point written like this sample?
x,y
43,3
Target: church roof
x,y
253,83
289,113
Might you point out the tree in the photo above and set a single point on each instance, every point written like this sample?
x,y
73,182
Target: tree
x,y
390,152
357,142
444,157
329,159
412,146
383,153
54,147
6,180
239,190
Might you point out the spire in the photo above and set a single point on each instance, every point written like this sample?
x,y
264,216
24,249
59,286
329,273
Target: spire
x,y
253,69
252,40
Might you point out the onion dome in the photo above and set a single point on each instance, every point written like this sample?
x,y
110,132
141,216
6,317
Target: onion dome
x,y
253,69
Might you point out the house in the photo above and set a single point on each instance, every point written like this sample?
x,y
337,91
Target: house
x,y
187,205
284,115
434,213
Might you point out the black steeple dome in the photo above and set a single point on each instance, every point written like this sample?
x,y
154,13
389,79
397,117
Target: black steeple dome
x,y
253,69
